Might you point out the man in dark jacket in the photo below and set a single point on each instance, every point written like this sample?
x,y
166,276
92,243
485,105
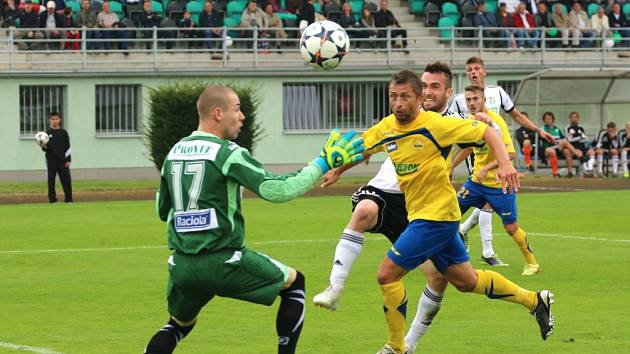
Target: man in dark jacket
x,y
58,158
29,20
490,25
617,20
386,19
211,22
52,23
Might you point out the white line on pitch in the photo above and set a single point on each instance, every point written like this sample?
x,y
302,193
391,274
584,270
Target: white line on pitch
x,y
28,348
275,242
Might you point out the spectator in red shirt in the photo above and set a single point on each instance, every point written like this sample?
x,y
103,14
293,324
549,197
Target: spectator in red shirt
x,y
525,33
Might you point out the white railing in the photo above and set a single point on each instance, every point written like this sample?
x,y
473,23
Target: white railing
x,y
167,49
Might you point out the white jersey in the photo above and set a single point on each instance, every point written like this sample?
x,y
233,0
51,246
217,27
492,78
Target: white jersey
x,y
385,179
496,99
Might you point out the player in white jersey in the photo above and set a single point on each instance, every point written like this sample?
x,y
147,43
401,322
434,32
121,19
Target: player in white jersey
x,y
496,99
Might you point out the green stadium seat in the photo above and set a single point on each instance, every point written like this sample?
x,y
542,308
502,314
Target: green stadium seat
x,y
445,24
591,9
317,6
235,7
626,9
451,11
416,7
157,7
357,6
75,6
230,22
491,6
116,7
286,16
194,7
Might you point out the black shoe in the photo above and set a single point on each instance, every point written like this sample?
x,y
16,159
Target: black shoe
x,y
52,201
69,201
493,261
542,312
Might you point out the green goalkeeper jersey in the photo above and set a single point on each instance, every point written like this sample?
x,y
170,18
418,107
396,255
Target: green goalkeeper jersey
x,y
200,197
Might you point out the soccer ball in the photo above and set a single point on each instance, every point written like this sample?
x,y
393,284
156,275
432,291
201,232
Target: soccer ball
x,y
41,138
610,43
324,44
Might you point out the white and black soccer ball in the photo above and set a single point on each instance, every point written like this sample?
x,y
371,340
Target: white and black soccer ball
x,y
324,44
41,138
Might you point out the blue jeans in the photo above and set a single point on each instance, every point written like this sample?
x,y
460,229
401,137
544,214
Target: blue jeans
x,y
525,38
122,45
214,40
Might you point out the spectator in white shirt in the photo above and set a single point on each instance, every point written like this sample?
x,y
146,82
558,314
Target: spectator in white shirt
x,y
581,27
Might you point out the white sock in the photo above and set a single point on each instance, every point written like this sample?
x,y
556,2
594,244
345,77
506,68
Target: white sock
x,y
485,231
600,164
346,253
584,167
428,307
615,162
591,162
471,222
624,160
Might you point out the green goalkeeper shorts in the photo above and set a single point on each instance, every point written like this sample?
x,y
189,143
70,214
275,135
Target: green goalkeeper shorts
x,y
239,274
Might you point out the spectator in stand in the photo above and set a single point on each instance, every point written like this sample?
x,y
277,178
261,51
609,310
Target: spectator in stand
x,y
253,17
607,144
368,29
549,152
617,20
10,14
600,24
347,20
331,6
543,18
52,23
580,27
186,27
577,138
306,13
212,23
563,23
73,35
60,7
87,18
275,25
29,19
488,20
526,35
526,139
504,19
150,20
624,147
384,18
109,22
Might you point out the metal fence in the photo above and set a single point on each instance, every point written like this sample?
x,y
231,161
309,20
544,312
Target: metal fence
x,y
36,102
169,49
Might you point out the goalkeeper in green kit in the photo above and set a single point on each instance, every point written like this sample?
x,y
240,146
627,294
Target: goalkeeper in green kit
x,y
199,198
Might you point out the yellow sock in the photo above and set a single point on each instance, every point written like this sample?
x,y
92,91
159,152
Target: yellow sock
x,y
395,307
521,241
496,286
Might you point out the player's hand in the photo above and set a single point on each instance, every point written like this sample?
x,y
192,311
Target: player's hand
x,y
483,117
330,177
508,177
481,175
543,134
340,150
67,164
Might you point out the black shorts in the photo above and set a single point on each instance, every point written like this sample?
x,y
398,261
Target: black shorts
x,y
392,215
580,146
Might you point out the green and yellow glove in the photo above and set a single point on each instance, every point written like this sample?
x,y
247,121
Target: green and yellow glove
x,y
340,150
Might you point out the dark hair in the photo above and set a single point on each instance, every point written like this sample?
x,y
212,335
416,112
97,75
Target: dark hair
x,y
574,112
408,76
475,88
440,67
475,60
553,118
54,114
611,125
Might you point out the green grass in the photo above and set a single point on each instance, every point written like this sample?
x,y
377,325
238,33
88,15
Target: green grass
x,y
67,290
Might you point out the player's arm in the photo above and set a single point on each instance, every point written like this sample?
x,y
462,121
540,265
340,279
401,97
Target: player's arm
x,y
331,177
481,175
163,197
525,122
247,171
506,173
460,157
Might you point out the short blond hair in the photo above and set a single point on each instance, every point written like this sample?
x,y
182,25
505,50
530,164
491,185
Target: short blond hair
x,y
213,96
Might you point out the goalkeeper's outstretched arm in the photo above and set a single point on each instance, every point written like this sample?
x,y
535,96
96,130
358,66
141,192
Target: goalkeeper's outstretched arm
x,y
331,177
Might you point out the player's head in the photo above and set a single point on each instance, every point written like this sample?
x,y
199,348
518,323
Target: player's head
x,y
611,128
574,117
548,118
475,99
219,109
436,86
628,129
54,119
405,95
476,71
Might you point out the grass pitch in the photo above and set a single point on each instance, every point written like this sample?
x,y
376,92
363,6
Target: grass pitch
x,y
90,278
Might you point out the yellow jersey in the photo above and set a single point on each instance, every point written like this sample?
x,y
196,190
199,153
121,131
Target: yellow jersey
x,y
419,151
484,156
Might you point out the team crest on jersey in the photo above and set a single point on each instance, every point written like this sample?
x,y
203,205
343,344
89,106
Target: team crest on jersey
x,y
475,123
491,101
417,144
391,147
406,168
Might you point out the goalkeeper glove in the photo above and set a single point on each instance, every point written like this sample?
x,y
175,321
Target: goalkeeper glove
x,y
340,150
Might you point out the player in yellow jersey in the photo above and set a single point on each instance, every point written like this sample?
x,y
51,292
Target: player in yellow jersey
x,y
482,187
418,144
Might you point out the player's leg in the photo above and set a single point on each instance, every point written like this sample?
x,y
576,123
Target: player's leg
x,y
550,153
624,161
166,338
567,152
600,161
614,153
591,160
290,317
527,153
428,305
488,256
51,169
66,182
394,304
470,222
